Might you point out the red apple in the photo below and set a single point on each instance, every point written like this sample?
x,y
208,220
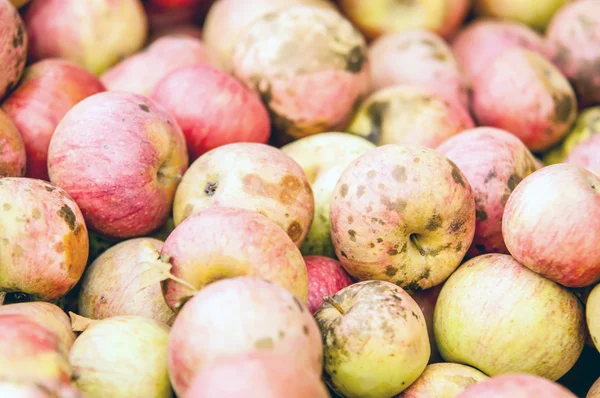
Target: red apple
x,y
212,108
120,155
443,380
12,153
238,316
551,212
13,47
326,277
256,375
516,385
48,90
585,154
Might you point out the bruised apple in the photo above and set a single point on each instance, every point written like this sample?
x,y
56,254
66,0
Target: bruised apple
x,y
121,156
516,385
34,211
48,90
326,277
12,156
403,214
13,47
443,380
240,316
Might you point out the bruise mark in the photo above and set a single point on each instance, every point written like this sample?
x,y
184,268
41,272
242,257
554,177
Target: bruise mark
x,y
352,234
144,107
67,214
504,199
344,190
360,191
210,188
350,219
265,343
563,107
458,247
434,222
456,173
397,205
284,192
379,240
376,111
414,314
456,225
356,60
392,252
281,334
295,230
491,175
59,247
480,214
371,245
305,330
36,214
513,181
391,271
371,174
399,173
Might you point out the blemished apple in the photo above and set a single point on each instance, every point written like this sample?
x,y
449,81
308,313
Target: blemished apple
x,y
443,380
95,35
166,55
121,356
534,13
251,176
212,108
13,47
592,314
375,340
112,285
522,92
121,156
238,316
48,315
323,157
13,158
426,300
418,58
516,385
223,243
34,211
491,314
310,66
260,374
594,391
409,115
494,162
530,220
403,214
49,89
326,277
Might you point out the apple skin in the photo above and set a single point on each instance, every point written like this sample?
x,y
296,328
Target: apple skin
x,y
212,108
419,58
34,210
125,181
166,55
111,285
586,155
48,90
94,34
426,300
531,235
13,158
323,157
13,47
392,197
122,356
326,277
409,115
259,374
32,390
251,176
592,313
491,315
594,391
227,242
531,12
516,385
494,162
443,380
523,93
377,345
238,316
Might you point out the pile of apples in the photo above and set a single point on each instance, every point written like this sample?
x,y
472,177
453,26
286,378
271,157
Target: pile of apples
x,y
299,198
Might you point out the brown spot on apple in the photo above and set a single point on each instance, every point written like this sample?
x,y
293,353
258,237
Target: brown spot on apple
x,y
36,213
59,247
352,234
456,173
144,107
480,214
6,206
434,222
513,181
563,106
360,191
265,343
67,214
399,173
391,271
295,230
344,190
397,205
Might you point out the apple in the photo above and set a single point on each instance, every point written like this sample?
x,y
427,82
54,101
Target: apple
x,y
258,374
251,176
121,356
13,46
95,35
426,300
494,162
238,316
516,385
112,285
13,156
166,55
326,277
531,12
310,66
592,313
185,30
48,90
586,155
542,238
323,157
403,214
419,58
443,380
375,340
31,390
35,211
212,108
491,314
120,155
594,391
410,115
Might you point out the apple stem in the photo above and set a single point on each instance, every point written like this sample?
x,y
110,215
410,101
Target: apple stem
x,y
335,305
414,240
2,297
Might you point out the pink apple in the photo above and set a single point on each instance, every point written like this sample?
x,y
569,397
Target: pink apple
x,y
426,299
48,90
212,108
120,155
552,212
443,380
32,390
516,385
238,316
13,47
326,277
586,153
494,162
12,149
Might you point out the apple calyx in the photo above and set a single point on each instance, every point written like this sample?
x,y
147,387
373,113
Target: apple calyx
x,y
413,239
329,300
80,323
157,268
